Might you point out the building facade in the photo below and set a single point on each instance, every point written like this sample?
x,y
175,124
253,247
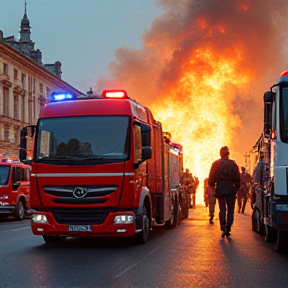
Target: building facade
x,y
25,86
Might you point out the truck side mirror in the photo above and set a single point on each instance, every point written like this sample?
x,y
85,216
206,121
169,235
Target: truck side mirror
x,y
27,135
23,144
146,153
268,100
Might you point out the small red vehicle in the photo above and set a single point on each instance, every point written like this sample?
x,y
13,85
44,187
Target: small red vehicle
x,y
14,188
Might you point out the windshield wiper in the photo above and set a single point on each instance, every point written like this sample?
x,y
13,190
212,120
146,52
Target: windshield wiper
x,y
91,158
71,158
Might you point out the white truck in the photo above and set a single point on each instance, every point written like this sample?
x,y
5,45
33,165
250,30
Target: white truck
x,y
270,205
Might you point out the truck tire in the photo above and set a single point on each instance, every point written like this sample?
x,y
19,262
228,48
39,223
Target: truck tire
x,y
256,222
281,241
184,210
19,212
269,234
170,224
177,213
142,237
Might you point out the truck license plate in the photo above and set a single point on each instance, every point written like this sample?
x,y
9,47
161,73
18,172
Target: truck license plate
x,y
79,228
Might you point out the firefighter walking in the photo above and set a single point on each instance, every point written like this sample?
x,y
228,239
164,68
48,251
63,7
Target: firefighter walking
x,y
188,183
209,199
243,192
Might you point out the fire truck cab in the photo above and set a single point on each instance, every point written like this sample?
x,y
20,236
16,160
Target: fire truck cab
x,y
101,166
14,188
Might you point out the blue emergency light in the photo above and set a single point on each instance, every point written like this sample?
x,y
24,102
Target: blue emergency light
x,y
61,96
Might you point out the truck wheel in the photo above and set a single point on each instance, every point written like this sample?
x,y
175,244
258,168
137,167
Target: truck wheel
x,y
184,210
19,212
281,240
268,234
256,222
142,237
170,224
177,213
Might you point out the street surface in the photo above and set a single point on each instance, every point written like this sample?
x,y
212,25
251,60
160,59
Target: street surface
x,y
191,255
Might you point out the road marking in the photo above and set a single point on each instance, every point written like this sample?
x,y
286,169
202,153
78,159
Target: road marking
x,y
130,267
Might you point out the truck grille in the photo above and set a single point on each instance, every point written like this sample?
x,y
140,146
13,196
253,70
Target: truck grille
x,y
79,216
90,194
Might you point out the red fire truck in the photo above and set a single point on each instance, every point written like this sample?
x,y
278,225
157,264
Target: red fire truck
x,y
101,166
14,188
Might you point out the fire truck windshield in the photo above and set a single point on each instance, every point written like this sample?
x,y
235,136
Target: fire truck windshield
x,y
82,139
4,174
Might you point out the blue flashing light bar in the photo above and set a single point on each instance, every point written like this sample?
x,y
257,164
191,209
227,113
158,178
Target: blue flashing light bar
x,y
61,96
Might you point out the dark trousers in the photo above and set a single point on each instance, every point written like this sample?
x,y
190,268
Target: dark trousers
x,y
242,198
226,214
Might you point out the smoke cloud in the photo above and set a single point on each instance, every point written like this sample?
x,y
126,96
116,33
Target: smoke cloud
x,y
203,70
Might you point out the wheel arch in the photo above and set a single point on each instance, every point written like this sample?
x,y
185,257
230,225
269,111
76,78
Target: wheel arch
x,y
145,199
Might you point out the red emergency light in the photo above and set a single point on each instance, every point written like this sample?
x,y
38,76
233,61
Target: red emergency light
x,y
115,94
285,73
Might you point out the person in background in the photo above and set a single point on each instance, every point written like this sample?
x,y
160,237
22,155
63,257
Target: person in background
x,y
206,200
210,199
188,182
195,186
225,177
242,195
259,177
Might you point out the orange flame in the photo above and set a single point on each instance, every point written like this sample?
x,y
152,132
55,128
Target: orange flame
x,y
202,120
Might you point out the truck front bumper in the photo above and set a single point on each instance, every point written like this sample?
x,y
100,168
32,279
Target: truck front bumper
x,y
44,223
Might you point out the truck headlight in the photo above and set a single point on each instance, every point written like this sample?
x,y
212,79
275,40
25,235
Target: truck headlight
x,y
124,219
39,218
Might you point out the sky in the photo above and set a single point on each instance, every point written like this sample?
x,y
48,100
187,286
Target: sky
x,y
201,66
82,34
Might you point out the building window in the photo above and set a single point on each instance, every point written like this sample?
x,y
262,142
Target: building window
x,y
17,136
41,88
30,109
23,109
29,84
15,74
23,77
34,107
6,101
16,107
5,68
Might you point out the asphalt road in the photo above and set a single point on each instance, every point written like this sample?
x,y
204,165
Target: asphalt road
x,y
191,255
